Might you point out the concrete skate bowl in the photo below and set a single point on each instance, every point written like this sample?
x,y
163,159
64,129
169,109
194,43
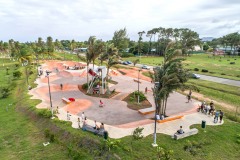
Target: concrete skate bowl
x,y
65,74
51,78
78,106
134,74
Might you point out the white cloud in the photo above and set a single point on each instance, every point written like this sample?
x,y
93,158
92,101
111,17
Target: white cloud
x,y
26,20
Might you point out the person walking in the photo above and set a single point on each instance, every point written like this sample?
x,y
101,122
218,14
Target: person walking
x,y
146,90
100,103
61,86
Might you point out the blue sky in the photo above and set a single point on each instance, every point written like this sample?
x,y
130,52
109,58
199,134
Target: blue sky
x,y
26,20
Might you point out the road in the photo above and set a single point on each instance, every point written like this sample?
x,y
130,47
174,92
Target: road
x,y
209,78
220,80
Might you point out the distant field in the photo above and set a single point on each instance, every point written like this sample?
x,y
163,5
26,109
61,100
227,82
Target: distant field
x,y
216,66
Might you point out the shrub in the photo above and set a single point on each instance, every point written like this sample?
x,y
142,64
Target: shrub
x,y
204,70
85,86
44,112
232,62
17,74
5,92
196,69
127,55
223,74
30,72
16,65
134,95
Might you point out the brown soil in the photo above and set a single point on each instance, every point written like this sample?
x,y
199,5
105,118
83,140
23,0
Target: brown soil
x,y
135,105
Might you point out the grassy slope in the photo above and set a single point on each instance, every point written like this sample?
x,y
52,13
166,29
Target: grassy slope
x,y
201,61
20,138
222,145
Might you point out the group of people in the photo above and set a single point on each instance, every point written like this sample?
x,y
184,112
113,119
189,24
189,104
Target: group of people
x,y
83,120
210,110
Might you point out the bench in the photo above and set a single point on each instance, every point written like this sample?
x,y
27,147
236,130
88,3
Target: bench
x,y
66,100
169,119
91,129
147,110
186,134
136,81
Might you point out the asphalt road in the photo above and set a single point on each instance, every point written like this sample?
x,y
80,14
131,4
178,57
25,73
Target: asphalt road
x,y
220,80
208,78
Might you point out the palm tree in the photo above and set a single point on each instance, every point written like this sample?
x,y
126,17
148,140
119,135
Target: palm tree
x,y
150,35
170,76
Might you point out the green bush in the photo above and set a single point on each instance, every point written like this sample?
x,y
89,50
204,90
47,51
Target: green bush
x,y
196,69
44,112
204,70
232,62
85,86
135,94
5,92
127,55
17,74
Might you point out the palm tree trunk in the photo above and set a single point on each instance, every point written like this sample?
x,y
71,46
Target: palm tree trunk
x,y
87,74
165,106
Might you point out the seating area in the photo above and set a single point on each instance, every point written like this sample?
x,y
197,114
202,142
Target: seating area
x,y
146,111
91,129
66,100
186,134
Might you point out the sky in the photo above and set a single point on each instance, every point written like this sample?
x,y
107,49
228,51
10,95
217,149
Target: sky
x,y
26,20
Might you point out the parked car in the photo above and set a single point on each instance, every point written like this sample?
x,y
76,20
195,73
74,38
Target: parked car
x,y
196,76
145,67
129,62
125,63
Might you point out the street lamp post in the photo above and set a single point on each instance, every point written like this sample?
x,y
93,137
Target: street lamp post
x,y
154,144
49,90
138,83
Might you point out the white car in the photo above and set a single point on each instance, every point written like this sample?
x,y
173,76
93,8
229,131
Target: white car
x,y
145,67
196,76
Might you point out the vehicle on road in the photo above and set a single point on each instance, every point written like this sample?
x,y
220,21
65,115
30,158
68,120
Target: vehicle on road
x,y
145,67
129,62
196,76
125,63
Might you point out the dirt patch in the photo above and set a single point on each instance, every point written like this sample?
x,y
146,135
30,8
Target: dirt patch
x,y
135,105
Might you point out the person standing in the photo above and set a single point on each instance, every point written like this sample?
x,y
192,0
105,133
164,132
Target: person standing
x,y
146,90
68,116
83,117
216,116
61,86
57,112
221,116
78,121
101,103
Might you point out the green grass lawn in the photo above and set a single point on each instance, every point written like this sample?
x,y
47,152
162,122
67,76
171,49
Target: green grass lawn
x,y
215,66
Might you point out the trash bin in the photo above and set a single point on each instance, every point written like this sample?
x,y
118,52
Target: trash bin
x,y
203,124
105,135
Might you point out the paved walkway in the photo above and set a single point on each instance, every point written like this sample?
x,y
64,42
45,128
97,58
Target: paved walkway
x,y
119,120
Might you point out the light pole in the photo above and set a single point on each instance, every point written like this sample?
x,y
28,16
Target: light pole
x,y
154,144
138,83
50,97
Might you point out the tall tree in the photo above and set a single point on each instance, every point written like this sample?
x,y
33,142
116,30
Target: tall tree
x,y
50,46
120,39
